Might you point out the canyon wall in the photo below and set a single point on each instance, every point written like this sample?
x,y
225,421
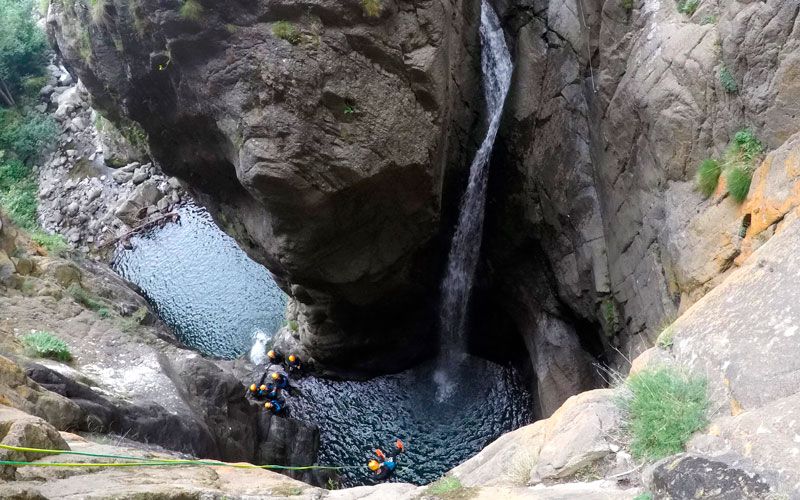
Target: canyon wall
x,y
334,147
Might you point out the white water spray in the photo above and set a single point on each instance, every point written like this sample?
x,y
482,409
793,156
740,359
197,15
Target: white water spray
x,y
258,353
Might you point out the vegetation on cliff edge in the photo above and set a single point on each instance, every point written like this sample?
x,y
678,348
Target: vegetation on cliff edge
x,y
664,408
738,164
46,345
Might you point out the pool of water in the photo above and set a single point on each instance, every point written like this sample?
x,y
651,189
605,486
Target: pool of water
x,y
357,417
215,298
202,284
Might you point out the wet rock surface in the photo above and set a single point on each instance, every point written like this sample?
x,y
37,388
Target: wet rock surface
x,y
688,477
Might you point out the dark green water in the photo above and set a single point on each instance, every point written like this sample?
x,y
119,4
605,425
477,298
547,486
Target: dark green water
x,y
214,298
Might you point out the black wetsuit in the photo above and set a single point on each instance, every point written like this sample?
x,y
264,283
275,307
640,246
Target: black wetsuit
x,y
295,367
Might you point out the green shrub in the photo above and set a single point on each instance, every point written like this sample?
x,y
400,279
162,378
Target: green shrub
x,y
292,325
372,8
728,81
86,298
688,7
46,345
666,338
191,10
21,204
747,145
12,172
664,408
449,488
626,4
286,31
708,176
23,48
54,243
644,496
26,135
738,180
31,86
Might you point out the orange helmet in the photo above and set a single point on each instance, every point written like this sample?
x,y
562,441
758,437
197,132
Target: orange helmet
x,y
253,388
271,354
268,405
379,453
292,358
275,376
263,387
373,465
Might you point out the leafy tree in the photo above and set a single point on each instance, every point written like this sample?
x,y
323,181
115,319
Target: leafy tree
x,y
22,48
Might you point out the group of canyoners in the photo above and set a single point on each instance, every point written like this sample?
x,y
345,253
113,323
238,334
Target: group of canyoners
x,y
270,389
271,392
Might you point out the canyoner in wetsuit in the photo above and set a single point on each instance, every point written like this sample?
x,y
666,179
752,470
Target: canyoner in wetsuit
x,y
384,466
275,406
275,357
262,391
293,365
281,382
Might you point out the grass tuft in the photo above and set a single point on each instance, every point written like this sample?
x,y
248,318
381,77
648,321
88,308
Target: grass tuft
x,y
727,81
709,19
372,8
53,243
644,496
738,181
450,488
286,31
708,176
46,345
191,10
86,299
664,408
688,7
626,4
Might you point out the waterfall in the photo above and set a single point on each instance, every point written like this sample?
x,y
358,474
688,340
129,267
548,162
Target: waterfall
x,y
465,248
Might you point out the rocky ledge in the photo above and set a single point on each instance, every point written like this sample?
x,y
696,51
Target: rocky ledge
x,y
126,376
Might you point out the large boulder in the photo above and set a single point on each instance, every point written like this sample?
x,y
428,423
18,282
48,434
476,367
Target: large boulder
x,y
577,436
318,136
19,391
21,430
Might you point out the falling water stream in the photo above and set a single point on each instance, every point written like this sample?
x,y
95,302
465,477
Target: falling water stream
x,y
223,304
466,244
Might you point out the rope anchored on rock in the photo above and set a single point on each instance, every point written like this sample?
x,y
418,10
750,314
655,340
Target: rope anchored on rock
x,y
145,462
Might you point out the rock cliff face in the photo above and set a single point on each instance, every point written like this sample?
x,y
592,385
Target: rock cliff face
x,y
595,229
318,135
